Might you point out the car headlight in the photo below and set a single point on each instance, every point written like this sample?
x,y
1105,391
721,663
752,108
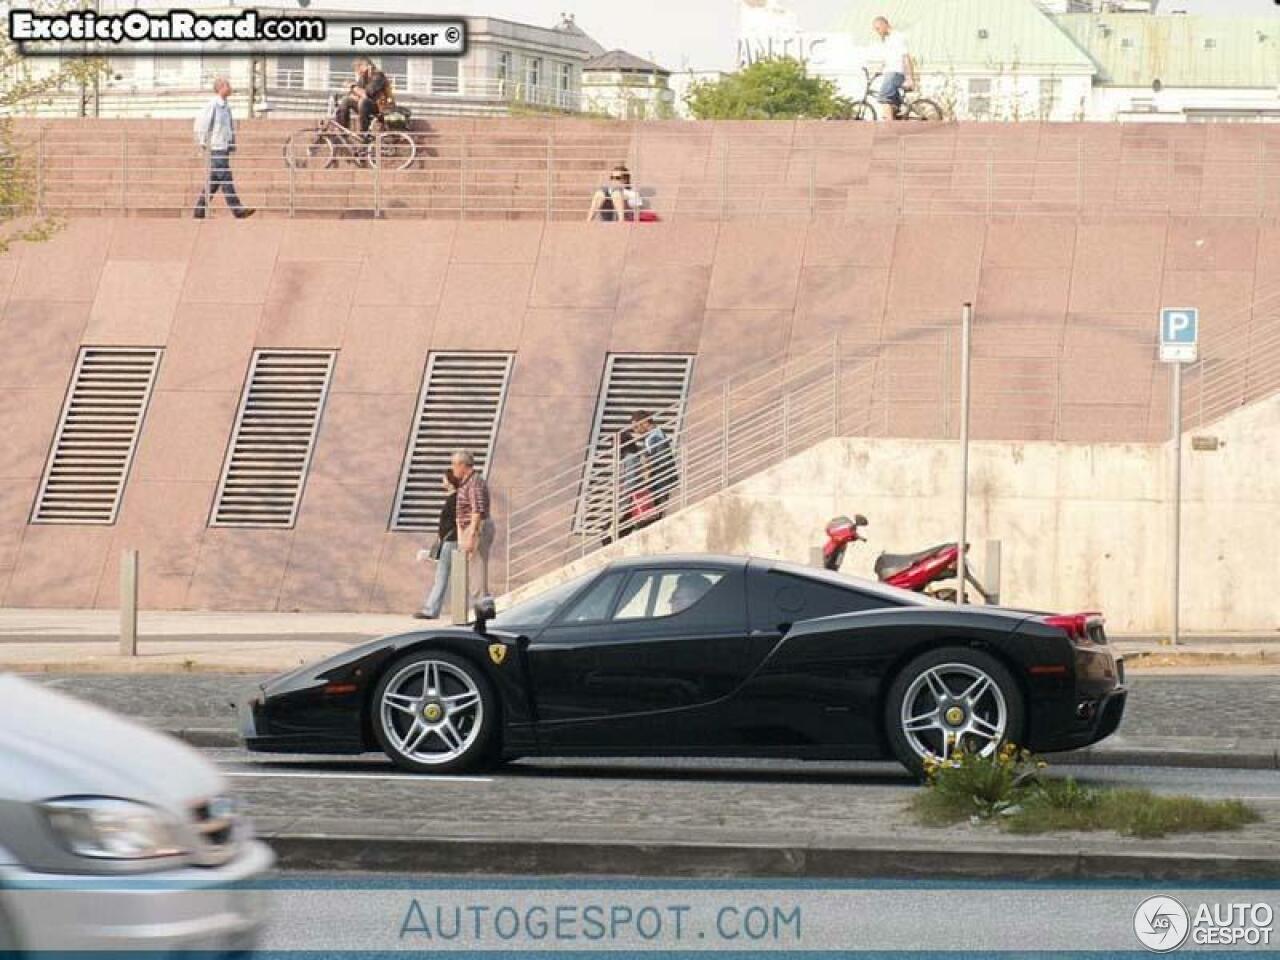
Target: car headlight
x,y
108,828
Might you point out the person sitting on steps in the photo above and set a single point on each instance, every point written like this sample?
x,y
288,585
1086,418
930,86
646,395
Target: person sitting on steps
x,y
369,96
616,201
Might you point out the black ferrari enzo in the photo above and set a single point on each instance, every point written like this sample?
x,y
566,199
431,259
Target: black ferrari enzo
x,y
709,656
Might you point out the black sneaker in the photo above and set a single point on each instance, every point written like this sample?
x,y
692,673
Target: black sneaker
x,y
244,213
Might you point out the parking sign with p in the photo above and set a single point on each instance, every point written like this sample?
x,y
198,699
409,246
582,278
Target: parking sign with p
x,y
1179,334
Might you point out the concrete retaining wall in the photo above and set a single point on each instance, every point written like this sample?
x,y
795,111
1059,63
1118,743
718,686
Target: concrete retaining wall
x,y
1082,526
1064,348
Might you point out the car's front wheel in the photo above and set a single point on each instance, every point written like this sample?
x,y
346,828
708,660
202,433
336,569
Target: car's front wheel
x,y
949,699
434,712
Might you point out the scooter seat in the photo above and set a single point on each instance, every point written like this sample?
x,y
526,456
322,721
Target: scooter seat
x,y
891,564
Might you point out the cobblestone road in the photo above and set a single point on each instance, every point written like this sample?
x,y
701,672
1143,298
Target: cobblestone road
x,y
1160,706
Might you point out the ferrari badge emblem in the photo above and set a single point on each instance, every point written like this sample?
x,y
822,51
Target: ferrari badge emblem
x,y
497,653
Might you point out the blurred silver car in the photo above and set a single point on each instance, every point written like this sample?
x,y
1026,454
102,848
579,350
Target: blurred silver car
x,y
115,837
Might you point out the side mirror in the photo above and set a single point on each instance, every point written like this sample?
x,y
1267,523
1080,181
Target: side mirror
x,y
484,612
860,521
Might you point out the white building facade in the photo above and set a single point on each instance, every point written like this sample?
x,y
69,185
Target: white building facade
x,y
509,67
627,87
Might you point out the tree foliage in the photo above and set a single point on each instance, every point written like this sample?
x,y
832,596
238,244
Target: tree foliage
x,y
779,88
26,83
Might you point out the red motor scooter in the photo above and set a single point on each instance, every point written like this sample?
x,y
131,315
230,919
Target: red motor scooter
x,y
908,571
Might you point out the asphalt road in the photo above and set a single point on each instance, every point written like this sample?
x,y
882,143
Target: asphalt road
x,y
664,801
278,781
1159,705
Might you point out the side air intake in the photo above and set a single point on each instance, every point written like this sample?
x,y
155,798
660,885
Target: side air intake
x,y
460,407
273,439
97,435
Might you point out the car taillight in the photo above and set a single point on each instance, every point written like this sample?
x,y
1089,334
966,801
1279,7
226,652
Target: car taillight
x,y
1074,625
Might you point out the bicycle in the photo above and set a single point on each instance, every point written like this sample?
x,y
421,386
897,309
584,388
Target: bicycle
x,y
329,141
913,106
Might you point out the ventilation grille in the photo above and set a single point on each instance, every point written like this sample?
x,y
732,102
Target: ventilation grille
x,y
97,435
459,408
658,383
274,436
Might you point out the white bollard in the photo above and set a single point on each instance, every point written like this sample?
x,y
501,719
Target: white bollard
x,y
129,603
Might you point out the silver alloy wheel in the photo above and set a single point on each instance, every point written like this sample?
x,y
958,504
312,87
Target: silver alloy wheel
x,y
953,704
431,711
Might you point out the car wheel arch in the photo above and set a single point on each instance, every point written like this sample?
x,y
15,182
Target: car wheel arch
x,y
425,645
938,643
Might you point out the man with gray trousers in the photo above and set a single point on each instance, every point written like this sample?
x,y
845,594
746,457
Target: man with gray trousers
x,y
215,132
475,527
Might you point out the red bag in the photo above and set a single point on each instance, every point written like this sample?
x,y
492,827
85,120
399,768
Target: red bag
x,y
642,507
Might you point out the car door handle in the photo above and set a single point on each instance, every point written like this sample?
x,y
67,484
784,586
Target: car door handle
x,y
765,634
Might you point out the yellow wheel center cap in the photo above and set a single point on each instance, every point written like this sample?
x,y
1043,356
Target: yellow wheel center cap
x,y
432,712
955,716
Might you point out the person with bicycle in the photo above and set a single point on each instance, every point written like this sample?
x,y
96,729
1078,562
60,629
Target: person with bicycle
x,y
899,68
369,95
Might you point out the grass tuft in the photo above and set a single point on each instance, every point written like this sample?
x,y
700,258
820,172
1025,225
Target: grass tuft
x,y
1065,805
1009,787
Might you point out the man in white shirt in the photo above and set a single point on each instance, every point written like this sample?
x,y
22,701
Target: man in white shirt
x,y
899,69
215,132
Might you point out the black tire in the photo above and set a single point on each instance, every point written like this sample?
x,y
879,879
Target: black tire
x,y
478,738
963,660
863,110
926,110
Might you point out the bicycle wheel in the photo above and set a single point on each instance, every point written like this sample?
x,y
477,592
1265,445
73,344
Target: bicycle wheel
x,y
303,150
394,151
925,110
863,110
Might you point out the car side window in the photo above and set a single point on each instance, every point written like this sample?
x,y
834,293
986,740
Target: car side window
x,y
664,593
593,606
780,598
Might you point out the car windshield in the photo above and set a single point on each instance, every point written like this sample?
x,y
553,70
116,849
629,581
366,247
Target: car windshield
x,y
537,610
873,588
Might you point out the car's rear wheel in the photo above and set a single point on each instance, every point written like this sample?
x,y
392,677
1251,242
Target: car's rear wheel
x,y
435,712
948,699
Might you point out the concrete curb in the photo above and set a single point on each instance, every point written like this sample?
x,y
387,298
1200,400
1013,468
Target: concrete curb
x,y
1189,758
462,855
1262,757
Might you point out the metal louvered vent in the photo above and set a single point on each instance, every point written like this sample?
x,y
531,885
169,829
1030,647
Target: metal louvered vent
x,y
657,383
274,436
97,435
459,408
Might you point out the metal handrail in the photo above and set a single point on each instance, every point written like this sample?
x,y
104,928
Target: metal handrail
x,y
690,171
1237,367
725,436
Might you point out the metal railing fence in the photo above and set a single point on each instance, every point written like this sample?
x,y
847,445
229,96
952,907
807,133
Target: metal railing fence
x,y
728,432
1239,365
696,171
906,387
